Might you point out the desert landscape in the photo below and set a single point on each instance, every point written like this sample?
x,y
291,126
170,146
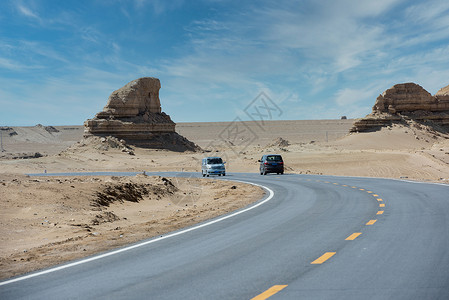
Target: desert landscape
x,y
48,220
315,147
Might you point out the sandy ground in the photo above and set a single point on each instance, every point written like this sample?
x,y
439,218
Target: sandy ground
x,y
314,147
34,237
49,220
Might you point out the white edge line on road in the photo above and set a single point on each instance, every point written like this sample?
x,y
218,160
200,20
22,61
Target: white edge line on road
x,y
69,265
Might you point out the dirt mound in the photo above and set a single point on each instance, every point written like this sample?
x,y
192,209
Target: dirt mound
x,y
171,141
103,144
8,130
279,142
49,129
132,192
128,191
22,155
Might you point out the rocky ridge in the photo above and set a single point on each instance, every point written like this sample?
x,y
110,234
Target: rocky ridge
x,y
407,102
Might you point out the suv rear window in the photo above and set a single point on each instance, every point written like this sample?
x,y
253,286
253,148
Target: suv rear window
x,y
274,158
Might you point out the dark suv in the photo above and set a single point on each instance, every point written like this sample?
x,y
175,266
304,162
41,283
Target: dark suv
x,y
271,163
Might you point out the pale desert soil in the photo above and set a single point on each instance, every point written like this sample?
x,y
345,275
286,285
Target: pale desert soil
x,y
49,220
414,152
315,147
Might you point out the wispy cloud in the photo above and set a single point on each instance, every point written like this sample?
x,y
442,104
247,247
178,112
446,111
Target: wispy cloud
x,y
350,97
13,65
90,34
339,36
434,12
159,6
27,12
326,56
44,50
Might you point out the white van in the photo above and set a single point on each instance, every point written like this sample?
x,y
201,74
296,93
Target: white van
x,y
213,166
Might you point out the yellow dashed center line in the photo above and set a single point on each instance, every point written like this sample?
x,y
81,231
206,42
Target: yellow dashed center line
x,y
323,258
270,292
353,236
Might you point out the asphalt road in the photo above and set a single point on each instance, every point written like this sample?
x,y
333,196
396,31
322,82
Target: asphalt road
x,y
318,237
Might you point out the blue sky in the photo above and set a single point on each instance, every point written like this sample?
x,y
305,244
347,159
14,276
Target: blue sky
x,y
60,60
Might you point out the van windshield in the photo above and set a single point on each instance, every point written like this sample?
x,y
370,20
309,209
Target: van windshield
x,y
214,161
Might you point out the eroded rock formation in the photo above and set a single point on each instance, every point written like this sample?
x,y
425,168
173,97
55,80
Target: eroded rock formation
x,y
133,113
407,101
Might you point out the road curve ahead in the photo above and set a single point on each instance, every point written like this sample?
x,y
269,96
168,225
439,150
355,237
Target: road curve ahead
x,y
318,237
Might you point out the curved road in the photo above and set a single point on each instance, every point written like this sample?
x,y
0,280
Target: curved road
x,y
318,237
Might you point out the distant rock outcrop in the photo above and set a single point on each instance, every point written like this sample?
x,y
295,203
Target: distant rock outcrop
x,y
133,113
8,130
279,142
407,101
443,94
49,129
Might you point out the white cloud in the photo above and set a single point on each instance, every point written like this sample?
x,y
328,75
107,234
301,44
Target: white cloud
x,y
12,65
26,11
46,50
332,32
428,12
159,6
90,34
331,56
350,97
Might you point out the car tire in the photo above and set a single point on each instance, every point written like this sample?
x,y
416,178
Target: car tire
x,y
224,174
